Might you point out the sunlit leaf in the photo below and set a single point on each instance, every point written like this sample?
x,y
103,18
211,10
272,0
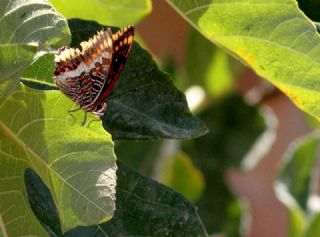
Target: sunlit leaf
x,y
272,37
27,27
77,163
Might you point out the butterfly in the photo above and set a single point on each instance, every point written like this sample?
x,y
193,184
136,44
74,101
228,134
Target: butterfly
x,y
88,76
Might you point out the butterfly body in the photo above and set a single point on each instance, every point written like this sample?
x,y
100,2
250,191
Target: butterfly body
x,y
88,76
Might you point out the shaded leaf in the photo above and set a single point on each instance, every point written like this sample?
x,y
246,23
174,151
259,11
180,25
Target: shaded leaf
x,y
27,27
106,12
144,208
77,163
272,37
234,127
46,212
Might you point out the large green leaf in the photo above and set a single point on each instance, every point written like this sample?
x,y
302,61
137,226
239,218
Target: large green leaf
x,y
26,27
234,128
143,105
77,163
106,12
272,37
144,208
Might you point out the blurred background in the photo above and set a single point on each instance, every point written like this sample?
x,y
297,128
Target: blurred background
x,y
170,38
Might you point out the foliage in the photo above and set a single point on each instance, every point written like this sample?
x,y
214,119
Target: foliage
x,y
58,178
77,163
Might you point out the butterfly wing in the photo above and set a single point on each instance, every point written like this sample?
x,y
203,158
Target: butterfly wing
x,y
87,77
121,46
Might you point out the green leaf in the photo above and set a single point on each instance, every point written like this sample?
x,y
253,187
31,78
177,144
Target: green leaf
x,y
272,37
76,163
297,172
146,105
106,12
39,74
8,87
144,208
234,127
27,27
174,172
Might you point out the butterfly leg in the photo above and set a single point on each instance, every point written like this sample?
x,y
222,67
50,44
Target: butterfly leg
x,y
84,120
74,118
